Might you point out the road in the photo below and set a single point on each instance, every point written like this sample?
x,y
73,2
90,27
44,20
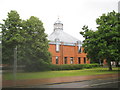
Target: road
x,y
99,83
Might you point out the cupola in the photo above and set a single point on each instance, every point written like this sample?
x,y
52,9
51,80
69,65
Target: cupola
x,y
58,25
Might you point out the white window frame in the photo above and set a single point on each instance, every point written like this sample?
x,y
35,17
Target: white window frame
x,y
57,59
71,60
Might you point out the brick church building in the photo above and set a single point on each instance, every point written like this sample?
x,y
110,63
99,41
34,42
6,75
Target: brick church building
x,y
64,48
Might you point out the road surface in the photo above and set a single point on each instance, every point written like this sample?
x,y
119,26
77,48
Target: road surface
x,y
98,83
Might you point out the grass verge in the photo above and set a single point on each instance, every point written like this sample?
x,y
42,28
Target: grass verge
x,y
53,74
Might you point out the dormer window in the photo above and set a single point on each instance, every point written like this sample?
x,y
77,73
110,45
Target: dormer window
x,y
57,44
57,48
79,47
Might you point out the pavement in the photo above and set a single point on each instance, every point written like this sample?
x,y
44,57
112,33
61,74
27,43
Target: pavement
x,y
98,83
58,80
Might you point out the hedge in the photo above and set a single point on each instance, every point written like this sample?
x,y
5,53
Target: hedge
x,y
72,66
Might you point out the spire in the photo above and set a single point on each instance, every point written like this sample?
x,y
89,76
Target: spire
x,y
58,25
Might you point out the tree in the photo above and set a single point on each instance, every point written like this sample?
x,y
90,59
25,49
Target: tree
x,y
35,48
11,36
29,38
104,42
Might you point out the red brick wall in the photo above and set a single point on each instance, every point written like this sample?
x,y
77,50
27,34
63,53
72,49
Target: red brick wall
x,y
67,51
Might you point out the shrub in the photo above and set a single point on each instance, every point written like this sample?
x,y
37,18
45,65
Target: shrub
x,y
53,67
37,68
72,66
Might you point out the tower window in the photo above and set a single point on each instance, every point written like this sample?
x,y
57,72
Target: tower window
x,y
71,60
65,60
57,59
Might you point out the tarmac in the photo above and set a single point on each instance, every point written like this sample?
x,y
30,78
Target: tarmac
x,y
58,80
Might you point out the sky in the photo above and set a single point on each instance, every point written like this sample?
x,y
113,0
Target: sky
x,y
74,14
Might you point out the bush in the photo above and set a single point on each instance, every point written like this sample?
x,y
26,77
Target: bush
x,y
72,66
53,67
37,67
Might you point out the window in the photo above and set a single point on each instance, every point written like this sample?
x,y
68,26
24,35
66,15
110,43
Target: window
x,y
57,44
84,59
65,60
79,49
57,48
79,46
71,60
79,60
57,60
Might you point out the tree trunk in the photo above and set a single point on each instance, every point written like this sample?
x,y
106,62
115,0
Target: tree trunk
x,y
117,63
109,65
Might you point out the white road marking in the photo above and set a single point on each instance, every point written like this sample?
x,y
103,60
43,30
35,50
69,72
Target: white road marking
x,y
100,84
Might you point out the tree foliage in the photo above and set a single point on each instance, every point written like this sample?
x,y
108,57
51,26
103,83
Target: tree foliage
x,y
10,36
29,38
35,48
104,42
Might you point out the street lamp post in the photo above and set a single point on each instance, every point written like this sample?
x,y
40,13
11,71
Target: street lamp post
x,y
15,65
100,61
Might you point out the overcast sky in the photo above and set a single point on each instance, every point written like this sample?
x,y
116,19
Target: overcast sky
x,y
74,14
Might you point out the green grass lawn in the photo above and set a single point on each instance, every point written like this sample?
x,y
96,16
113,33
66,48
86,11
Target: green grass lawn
x,y
52,74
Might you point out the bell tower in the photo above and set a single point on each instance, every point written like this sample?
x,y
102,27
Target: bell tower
x,y
58,25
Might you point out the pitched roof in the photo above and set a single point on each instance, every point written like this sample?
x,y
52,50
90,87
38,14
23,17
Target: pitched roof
x,y
62,36
59,34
